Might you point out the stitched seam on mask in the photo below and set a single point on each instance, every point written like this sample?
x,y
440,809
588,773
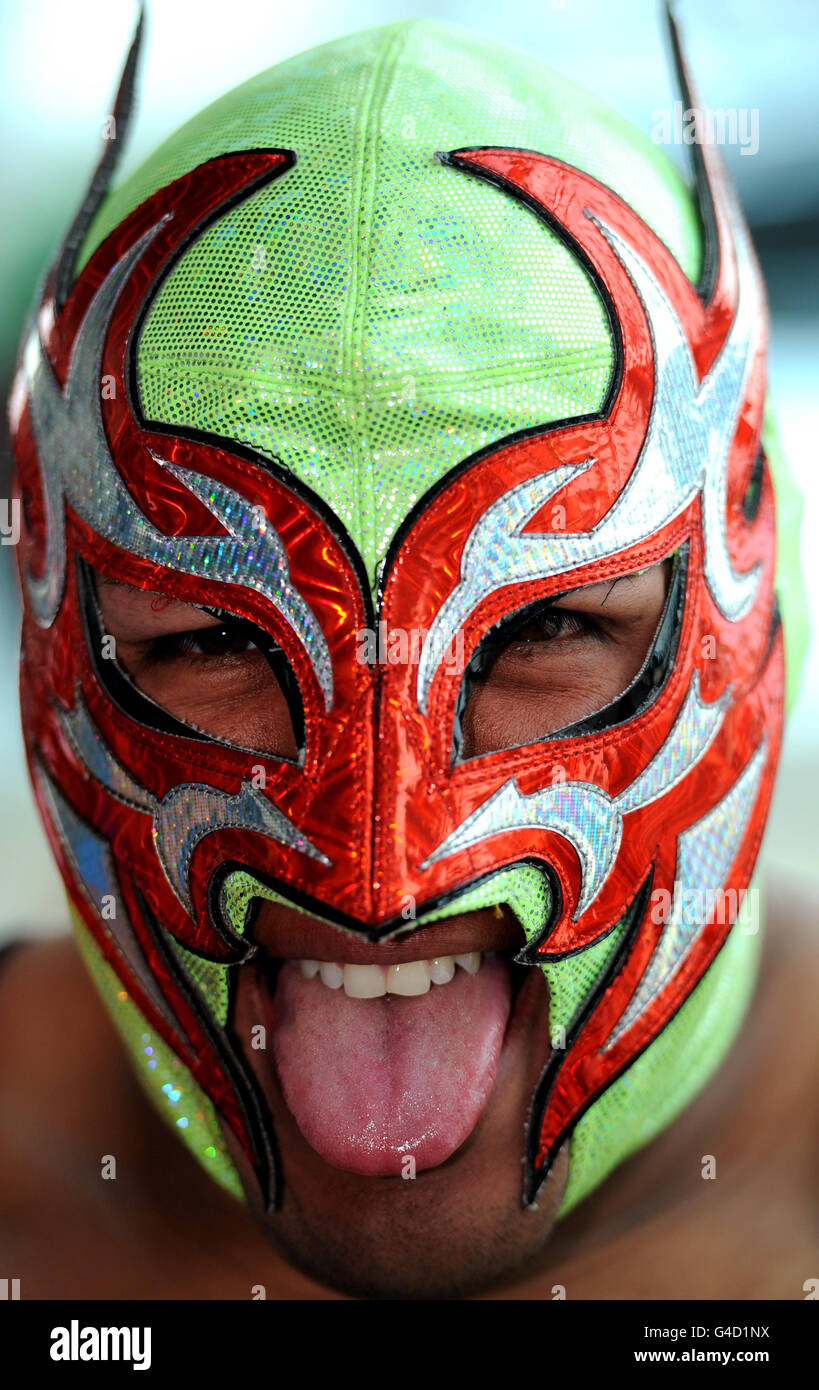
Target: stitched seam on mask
x,y
327,756
189,765
363,197
522,374
444,793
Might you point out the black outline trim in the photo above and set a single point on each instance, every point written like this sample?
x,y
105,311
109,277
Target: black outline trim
x,y
113,678
773,633
457,159
139,707
534,1175
704,197
704,287
391,926
283,673
271,465
292,484
66,259
753,492
251,1101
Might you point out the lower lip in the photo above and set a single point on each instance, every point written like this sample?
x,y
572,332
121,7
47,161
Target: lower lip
x,y
377,1087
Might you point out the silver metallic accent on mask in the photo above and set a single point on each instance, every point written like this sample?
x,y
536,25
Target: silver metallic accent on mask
x,y
264,559
187,813
582,813
693,423
692,732
191,811
76,466
72,448
690,430
90,858
88,747
705,853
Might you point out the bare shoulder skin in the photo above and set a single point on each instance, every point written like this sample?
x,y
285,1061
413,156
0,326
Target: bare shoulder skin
x,y
162,1229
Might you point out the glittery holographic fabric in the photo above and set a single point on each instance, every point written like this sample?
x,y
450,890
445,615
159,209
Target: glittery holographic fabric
x,y
76,464
191,811
585,815
167,1083
662,1082
705,853
580,812
523,889
653,1091
693,422
188,812
573,980
98,760
690,432
210,978
369,320
694,728
91,857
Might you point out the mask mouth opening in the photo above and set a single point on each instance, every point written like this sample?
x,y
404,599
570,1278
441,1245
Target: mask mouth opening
x,y
269,967
524,899
275,925
367,1076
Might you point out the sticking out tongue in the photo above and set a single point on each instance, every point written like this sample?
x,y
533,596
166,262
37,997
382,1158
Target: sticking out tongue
x,y
373,1081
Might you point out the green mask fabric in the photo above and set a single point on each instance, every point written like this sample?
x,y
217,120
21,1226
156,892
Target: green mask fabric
x,y
368,321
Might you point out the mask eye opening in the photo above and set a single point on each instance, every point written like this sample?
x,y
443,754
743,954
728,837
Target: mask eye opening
x,y
280,666
144,710
641,692
113,678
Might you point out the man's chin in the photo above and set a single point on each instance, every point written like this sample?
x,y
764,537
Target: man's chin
x,y
424,1240
449,1230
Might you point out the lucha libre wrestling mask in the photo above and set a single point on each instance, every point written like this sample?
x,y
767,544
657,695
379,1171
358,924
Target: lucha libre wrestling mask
x,y
403,338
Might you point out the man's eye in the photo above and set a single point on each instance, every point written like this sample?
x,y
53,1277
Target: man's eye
x,y
206,641
552,623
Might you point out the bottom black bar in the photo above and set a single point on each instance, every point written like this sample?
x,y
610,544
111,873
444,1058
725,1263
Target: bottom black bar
x,y
84,1339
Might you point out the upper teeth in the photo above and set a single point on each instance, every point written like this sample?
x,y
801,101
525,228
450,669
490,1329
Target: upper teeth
x,y
371,981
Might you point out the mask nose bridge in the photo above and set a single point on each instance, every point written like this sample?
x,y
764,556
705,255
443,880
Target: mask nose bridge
x,y
406,796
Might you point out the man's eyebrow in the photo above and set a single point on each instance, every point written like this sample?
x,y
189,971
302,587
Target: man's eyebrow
x,y
104,581
621,579
157,602
629,579
613,585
